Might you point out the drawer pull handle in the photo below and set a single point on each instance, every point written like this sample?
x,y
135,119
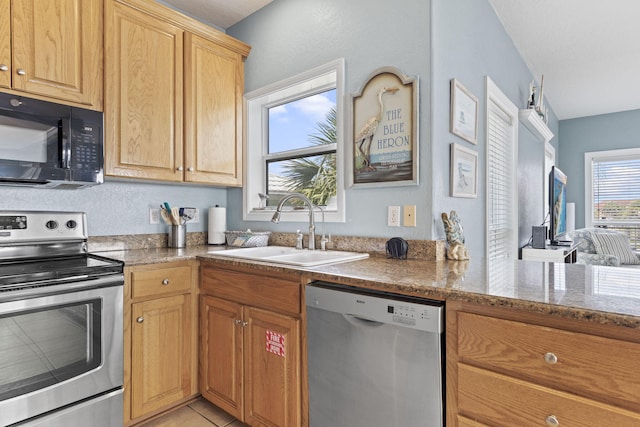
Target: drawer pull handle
x,y
552,421
550,358
165,282
21,72
3,67
140,319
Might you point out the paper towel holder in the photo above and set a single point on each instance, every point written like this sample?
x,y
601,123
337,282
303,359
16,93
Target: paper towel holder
x,y
217,225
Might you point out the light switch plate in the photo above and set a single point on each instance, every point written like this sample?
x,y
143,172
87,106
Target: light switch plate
x,y
409,219
154,215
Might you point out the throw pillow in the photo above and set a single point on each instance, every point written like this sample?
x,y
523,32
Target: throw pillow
x,y
615,244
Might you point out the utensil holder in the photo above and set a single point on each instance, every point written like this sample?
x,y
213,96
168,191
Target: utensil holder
x,y
177,236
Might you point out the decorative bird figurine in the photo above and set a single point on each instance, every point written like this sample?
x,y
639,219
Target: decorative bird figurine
x,y
364,137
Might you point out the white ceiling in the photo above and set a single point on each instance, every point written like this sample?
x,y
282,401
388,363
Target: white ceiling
x,y
221,13
588,51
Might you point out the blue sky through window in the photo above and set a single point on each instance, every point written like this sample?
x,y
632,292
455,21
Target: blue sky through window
x,y
291,124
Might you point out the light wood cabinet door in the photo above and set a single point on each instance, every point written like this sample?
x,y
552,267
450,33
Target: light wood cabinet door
x,y
221,354
161,353
214,84
5,43
57,49
143,101
272,369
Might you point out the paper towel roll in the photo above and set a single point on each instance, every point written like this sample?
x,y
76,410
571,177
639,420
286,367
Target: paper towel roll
x,y
217,225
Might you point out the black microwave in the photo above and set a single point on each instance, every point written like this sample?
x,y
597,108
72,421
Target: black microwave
x,y
49,145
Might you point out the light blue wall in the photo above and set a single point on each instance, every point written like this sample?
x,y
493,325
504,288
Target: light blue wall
x,y
434,40
116,208
595,133
470,43
292,36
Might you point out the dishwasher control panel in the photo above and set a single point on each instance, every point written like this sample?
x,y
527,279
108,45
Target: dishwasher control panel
x,y
388,309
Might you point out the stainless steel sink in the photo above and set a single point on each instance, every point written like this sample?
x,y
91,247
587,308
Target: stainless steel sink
x,y
291,256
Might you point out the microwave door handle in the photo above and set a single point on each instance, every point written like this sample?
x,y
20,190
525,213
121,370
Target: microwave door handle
x,y
65,143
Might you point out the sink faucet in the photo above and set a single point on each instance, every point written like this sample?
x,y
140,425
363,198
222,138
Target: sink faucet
x,y
312,224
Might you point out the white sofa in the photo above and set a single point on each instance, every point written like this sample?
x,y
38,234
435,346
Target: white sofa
x,y
600,246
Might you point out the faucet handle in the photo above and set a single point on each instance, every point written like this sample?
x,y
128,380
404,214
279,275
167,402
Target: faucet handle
x,y
299,237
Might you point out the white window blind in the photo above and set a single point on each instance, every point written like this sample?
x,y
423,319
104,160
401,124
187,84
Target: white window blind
x,y
500,182
614,192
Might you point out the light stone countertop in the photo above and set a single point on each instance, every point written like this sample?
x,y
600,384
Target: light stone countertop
x,y
605,295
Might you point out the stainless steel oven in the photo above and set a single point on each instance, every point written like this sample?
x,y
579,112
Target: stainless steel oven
x,y
61,324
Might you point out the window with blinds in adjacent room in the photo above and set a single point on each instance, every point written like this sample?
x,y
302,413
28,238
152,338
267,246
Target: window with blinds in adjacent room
x,y
613,191
502,199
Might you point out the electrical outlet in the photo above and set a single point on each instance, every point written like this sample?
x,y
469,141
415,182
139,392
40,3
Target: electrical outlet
x,y
393,217
196,217
409,219
154,215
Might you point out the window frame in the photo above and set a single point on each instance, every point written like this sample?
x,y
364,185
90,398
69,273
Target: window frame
x,y
257,104
607,155
495,97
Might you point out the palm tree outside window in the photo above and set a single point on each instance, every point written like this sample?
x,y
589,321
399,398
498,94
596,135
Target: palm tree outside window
x,y
301,155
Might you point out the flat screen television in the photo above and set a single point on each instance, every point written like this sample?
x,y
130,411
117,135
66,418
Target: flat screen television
x,y
557,207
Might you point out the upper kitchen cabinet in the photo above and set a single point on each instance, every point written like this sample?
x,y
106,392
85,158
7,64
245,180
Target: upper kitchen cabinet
x,y
173,102
214,85
52,49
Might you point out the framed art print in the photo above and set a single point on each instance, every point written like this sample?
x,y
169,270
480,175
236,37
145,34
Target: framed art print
x,y
464,113
464,172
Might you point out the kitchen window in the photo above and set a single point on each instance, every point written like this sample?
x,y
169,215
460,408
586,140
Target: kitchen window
x,y
295,144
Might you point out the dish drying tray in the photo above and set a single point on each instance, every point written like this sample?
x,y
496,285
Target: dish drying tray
x,y
247,239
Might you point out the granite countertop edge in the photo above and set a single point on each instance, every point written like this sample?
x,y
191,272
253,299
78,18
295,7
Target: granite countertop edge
x,y
441,280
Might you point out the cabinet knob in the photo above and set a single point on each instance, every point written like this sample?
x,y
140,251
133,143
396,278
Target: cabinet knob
x,y
244,324
190,169
550,358
552,421
180,168
3,67
140,319
21,72
165,282
237,321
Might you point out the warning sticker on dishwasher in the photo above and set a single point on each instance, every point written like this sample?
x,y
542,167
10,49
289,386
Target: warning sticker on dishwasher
x,y
274,343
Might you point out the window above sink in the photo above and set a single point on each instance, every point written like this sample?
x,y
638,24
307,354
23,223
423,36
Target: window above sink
x,y
279,163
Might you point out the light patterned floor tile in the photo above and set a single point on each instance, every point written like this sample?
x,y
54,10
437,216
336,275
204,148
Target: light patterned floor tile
x,y
213,413
182,417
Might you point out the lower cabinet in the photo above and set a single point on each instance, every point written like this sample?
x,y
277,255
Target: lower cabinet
x,y
250,345
506,368
160,338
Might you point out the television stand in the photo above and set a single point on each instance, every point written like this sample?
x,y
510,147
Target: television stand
x,y
561,243
552,253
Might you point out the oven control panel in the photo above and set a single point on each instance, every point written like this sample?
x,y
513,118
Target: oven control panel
x,y
36,226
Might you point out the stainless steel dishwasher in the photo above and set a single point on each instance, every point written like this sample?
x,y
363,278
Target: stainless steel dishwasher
x,y
375,359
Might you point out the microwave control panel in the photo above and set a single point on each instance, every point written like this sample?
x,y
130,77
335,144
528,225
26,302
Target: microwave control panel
x,y
87,146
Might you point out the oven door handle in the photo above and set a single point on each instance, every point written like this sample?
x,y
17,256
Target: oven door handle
x,y
38,289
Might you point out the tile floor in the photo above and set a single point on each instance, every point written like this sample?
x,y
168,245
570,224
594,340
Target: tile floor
x,y
197,414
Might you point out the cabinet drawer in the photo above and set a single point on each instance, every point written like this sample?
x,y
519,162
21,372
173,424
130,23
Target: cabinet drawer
x,y
498,400
263,291
592,366
161,281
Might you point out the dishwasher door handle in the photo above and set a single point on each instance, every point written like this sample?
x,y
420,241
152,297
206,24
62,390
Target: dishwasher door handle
x,y
361,321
